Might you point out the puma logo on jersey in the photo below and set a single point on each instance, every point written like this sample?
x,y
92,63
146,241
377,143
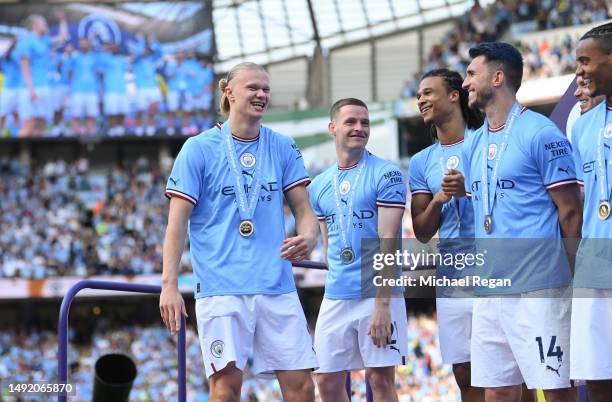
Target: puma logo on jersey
x,y
344,201
174,181
566,170
247,173
555,370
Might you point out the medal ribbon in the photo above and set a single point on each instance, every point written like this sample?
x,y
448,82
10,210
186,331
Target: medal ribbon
x,y
246,206
455,204
515,112
602,176
344,229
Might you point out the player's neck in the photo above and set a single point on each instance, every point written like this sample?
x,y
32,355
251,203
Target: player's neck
x,y
349,157
451,130
498,110
243,127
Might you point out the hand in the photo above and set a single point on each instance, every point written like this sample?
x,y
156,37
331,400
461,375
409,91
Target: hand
x,y
171,306
453,183
297,248
380,324
442,197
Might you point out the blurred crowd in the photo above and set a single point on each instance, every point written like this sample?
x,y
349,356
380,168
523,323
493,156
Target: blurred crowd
x,y
482,24
51,89
62,219
32,355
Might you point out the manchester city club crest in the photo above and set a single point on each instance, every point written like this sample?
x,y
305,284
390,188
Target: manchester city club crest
x,y
216,348
452,162
492,151
99,29
247,160
345,187
608,131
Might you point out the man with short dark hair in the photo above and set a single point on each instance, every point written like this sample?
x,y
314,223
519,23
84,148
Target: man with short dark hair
x,y
520,176
439,205
362,196
591,340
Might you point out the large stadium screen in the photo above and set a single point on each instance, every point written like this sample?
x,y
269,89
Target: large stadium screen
x,y
115,69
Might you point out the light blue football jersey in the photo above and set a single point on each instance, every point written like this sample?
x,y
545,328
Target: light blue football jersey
x,y
37,50
381,184
144,67
83,67
223,261
114,68
536,158
594,259
426,170
178,76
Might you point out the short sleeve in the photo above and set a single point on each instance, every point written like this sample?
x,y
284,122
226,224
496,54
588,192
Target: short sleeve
x,y
185,180
417,179
22,49
391,187
313,193
553,155
577,157
294,172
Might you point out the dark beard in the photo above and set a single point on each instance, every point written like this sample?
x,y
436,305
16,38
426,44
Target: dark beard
x,y
483,98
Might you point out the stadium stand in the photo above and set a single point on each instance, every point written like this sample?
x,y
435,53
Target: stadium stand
x,y
491,23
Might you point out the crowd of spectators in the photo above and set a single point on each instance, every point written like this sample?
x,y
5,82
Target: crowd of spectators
x,y
32,356
480,24
63,219
82,86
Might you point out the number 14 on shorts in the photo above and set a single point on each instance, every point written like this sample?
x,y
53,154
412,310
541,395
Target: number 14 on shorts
x,y
553,350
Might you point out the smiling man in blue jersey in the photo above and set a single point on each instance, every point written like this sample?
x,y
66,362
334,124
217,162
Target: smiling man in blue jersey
x,y
33,52
591,341
520,176
228,185
114,66
83,88
360,197
439,205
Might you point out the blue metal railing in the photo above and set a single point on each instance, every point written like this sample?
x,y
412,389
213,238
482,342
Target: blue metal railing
x,y
62,358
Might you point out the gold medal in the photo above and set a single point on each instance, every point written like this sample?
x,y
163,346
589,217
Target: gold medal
x,y
604,210
246,228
